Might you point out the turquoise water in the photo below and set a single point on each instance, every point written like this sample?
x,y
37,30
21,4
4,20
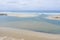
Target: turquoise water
x,y
37,24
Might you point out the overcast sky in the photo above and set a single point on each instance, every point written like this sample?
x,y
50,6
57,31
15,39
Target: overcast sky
x,y
29,4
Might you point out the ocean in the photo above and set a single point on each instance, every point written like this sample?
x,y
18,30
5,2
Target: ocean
x,y
37,24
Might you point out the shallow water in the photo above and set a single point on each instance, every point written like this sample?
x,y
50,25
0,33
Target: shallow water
x,y
34,24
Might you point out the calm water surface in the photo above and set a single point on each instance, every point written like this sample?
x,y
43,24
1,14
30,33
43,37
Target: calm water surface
x,y
37,24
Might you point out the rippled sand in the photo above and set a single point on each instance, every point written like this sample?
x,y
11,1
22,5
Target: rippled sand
x,y
26,35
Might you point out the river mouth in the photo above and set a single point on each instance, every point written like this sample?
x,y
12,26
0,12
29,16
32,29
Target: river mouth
x,y
27,29
34,24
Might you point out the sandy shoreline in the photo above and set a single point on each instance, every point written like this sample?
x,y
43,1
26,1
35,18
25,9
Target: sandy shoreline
x,y
28,35
23,15
54,17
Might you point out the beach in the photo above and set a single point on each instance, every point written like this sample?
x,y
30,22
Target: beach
x,y
29,19
23,15
54,17
19,14
27,35
27,29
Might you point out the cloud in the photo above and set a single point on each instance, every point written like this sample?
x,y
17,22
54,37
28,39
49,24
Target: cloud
x,y
29,4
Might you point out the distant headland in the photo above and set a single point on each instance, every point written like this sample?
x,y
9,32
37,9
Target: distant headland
x,y
1,14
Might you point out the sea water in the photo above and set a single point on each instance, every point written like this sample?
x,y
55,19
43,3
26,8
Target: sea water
x,y
37,24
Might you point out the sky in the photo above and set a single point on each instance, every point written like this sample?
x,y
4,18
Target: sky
x,y
29,4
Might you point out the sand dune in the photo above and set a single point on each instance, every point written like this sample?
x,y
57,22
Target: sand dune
x,y
19,34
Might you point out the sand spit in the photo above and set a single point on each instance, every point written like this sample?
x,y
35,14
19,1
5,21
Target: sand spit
x,y
20,14
26,35
23,15
54,17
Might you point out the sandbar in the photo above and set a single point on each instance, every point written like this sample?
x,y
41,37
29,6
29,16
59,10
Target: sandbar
x,y
54,17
